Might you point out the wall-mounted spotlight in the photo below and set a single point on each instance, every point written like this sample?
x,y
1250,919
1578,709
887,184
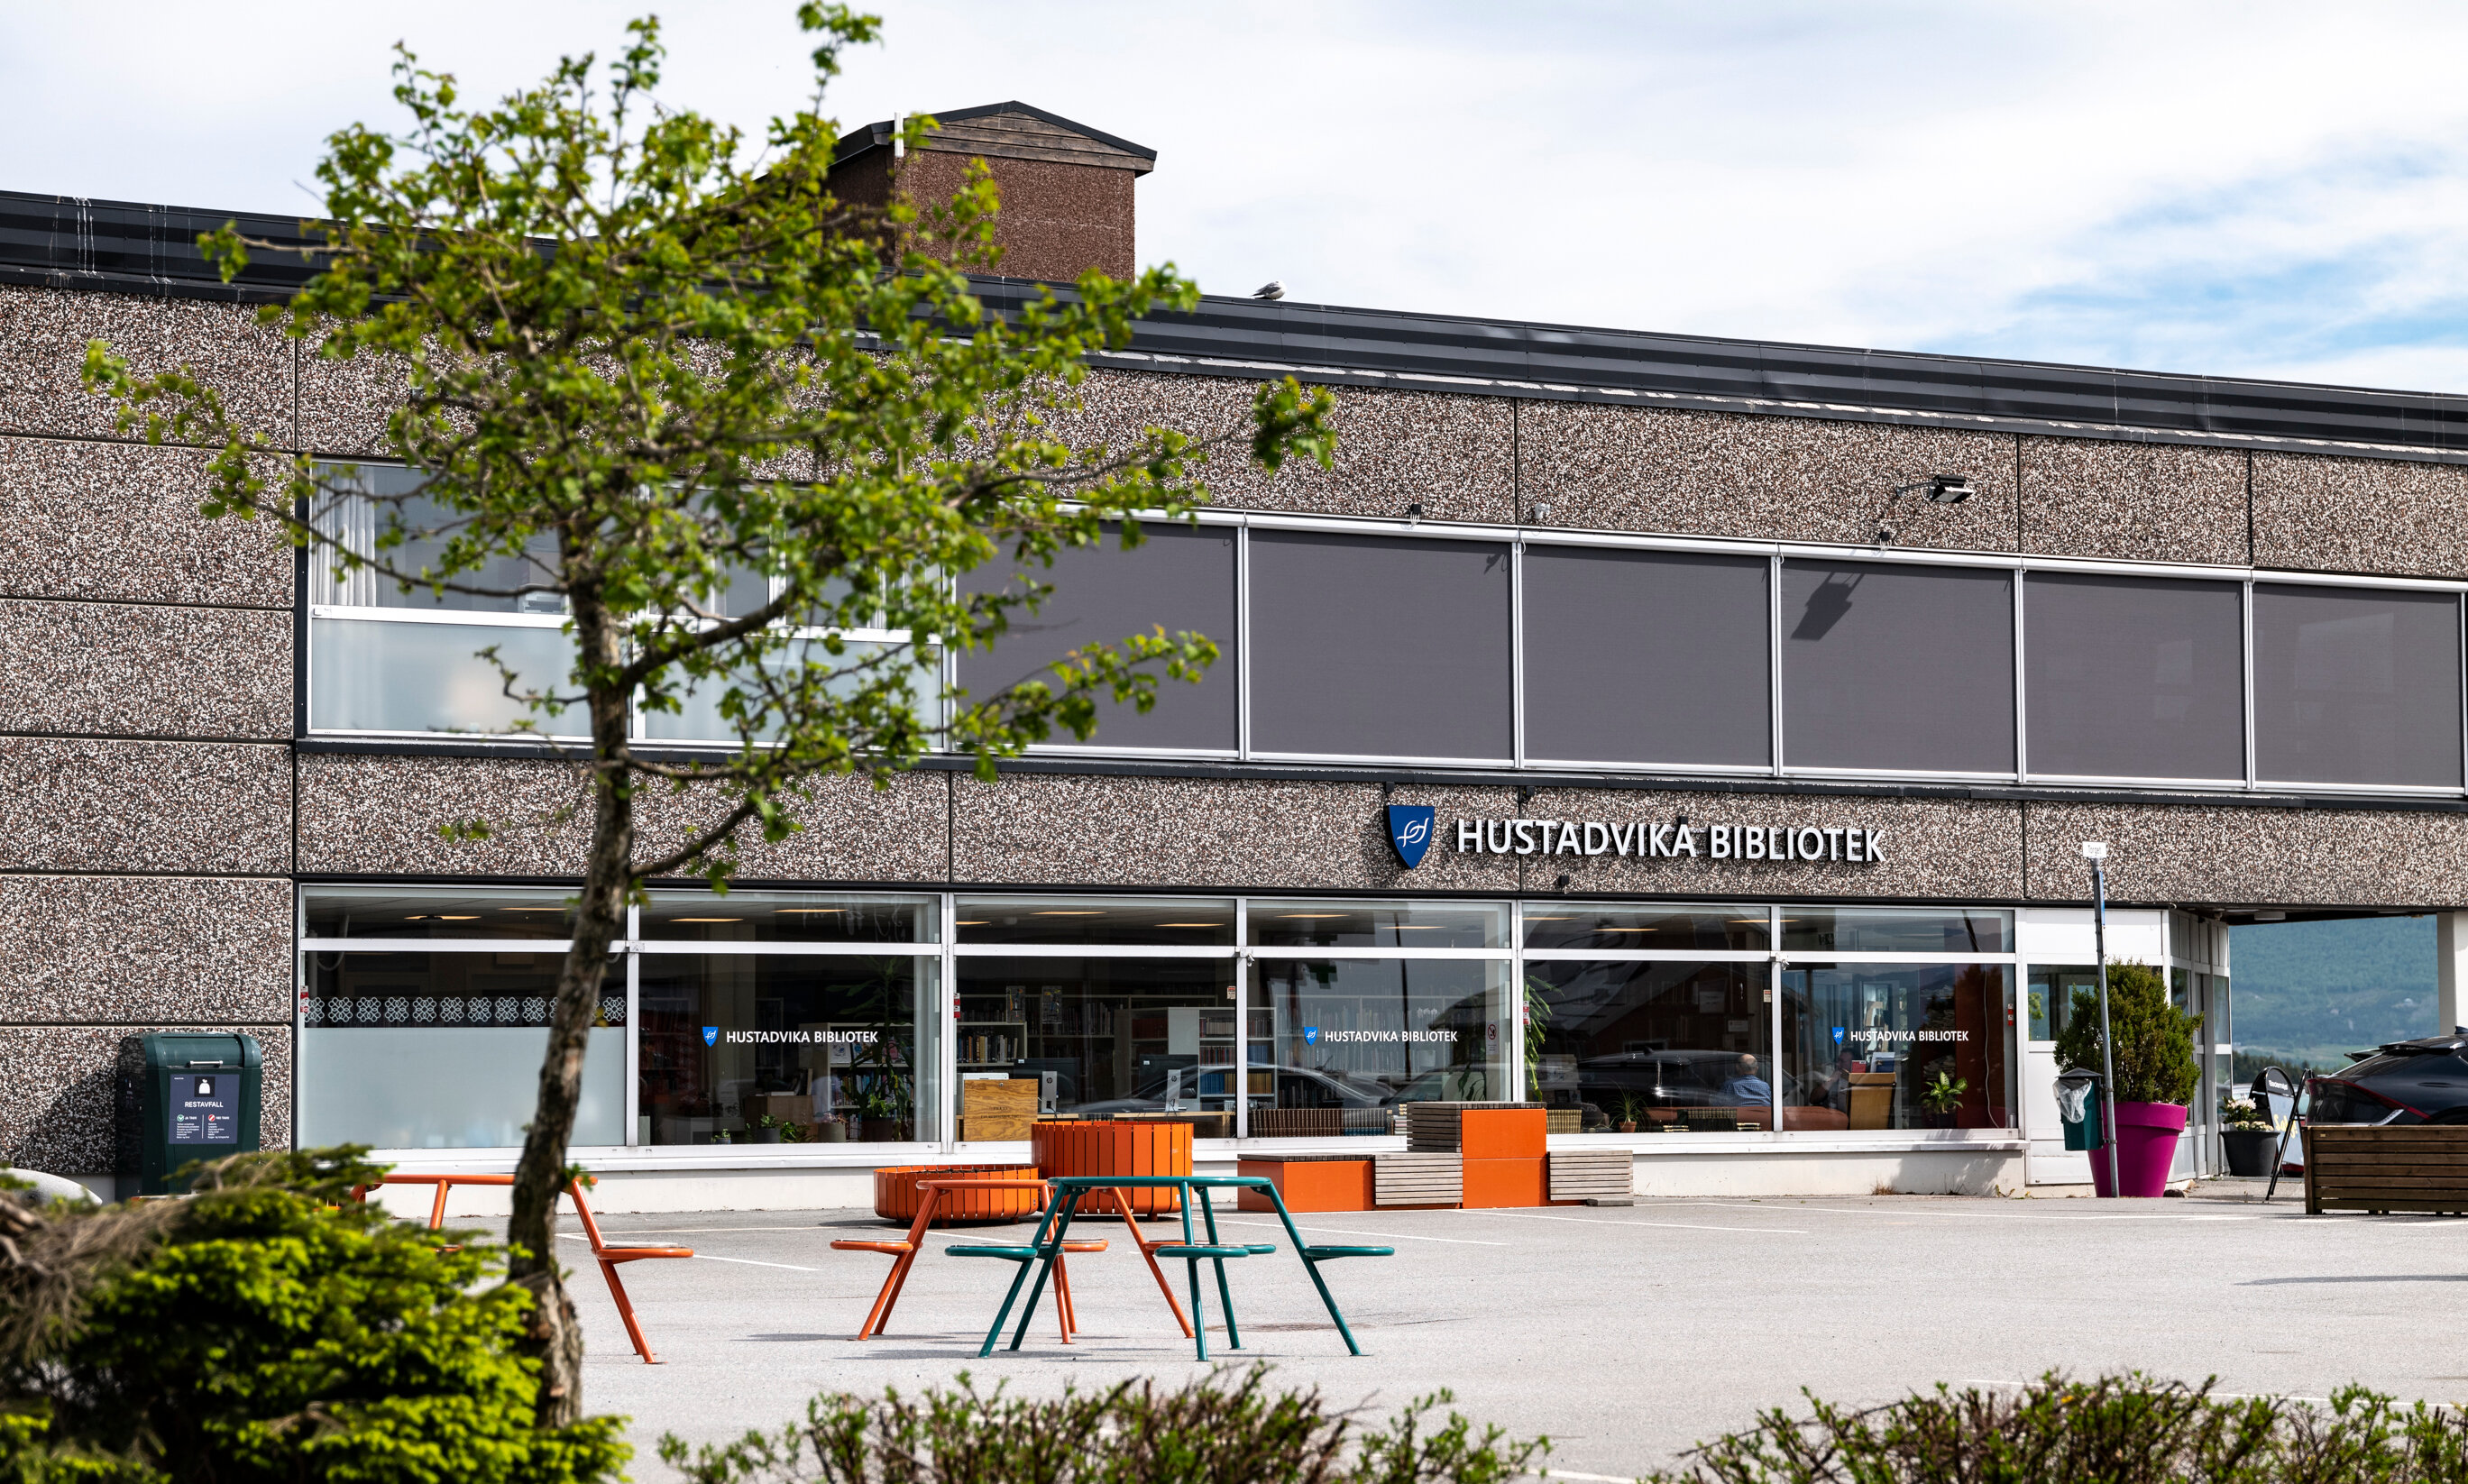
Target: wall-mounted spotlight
x,y
1942,488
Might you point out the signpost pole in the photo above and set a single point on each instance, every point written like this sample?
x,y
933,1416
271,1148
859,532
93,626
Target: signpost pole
x,y
2098,853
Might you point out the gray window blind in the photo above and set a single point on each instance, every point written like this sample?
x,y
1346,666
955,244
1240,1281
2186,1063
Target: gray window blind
x,y
1889,665
2356,686
2134,677
1379,645
1646,658
1177,577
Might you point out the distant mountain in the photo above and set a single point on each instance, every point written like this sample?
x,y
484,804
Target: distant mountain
x,y
2314,990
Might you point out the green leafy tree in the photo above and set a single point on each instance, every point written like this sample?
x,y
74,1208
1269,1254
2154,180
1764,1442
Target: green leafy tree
x,y
2155,1040
646,362
271,1328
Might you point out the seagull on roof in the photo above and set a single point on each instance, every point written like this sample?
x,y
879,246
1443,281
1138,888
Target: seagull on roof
x,y
1271,289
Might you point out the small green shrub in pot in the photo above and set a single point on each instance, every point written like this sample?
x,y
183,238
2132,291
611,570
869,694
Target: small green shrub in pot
x,y
2155,1040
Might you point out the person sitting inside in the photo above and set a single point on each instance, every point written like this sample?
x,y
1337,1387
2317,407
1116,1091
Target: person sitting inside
x,y
1745,1089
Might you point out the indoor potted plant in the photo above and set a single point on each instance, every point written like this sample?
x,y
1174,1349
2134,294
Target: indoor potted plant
x,y
2156,1073
2246,1137
766,1129
1627,1113
1941,1095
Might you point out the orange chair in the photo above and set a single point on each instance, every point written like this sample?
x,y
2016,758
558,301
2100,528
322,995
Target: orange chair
x,y
904,1253
609,1256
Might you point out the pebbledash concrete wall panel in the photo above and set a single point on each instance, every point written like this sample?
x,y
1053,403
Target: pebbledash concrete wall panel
x,y
2197,855
372,814
43,335
1935,849
62,1121
143,670
142,949
2378,515
1765,478
118,522
1456,456
1207,833
2134,501
97,805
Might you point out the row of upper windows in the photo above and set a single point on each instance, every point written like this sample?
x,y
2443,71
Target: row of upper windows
x,y
1344,645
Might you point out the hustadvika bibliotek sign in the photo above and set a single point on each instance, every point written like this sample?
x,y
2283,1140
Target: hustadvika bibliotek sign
x,y
1413,827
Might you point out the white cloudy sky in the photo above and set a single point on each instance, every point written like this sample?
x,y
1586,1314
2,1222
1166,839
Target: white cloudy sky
x,y
2243,188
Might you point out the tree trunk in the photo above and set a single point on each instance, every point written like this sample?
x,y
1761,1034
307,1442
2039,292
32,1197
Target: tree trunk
x,y
554,1337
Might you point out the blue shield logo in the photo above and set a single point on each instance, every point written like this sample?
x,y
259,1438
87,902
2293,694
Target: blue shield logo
x,y
1310,1035
711,1035
1409,830
1837,1035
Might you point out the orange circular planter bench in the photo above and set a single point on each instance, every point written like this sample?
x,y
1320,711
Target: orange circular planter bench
x,y
1110,1147
896,1196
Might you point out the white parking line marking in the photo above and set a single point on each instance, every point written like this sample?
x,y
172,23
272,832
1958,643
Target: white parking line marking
x,y
1605,1221
705,1257
1350,1231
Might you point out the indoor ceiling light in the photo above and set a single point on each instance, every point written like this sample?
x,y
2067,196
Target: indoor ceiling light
x,y
1191,924
1077,912
706,919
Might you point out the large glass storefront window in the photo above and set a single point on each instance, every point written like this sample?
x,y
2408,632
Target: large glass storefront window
x,y
1114,1007
1344,1034
1626,1027
784,1018
409,1041
1891,1046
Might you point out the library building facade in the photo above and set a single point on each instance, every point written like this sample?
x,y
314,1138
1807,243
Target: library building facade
x,y
1695,736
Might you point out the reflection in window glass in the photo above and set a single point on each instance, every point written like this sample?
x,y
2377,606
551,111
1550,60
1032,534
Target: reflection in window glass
x,y
1180,579
1116,1034
2049,1000
354,912
1392,924
1380,647
807,1042
1894,1046
2355,687
788,917
371,675
357,522
1663,1046
698,717
1185,922
1894,667
2134,677
1337,1044
1571,925
1677,625
1897,929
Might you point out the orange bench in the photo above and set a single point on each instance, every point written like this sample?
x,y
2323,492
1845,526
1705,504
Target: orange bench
x,y
609,1256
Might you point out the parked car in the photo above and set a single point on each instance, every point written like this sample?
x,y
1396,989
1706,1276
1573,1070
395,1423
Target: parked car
x,y
2404,1082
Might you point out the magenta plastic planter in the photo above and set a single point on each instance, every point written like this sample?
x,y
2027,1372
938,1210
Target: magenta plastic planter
x,y
2146,1146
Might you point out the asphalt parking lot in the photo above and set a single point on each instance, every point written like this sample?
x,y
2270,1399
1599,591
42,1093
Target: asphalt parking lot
x,y
1625,1334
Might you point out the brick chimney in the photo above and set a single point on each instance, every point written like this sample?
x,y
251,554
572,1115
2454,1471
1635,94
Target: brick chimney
x,y
1066,188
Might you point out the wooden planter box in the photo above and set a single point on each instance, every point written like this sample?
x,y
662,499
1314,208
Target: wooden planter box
x,y
2366,1167
1417,1179
1592,1173
896,1196
1065,1147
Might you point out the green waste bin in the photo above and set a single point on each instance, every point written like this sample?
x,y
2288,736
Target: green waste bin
x,y
197,1098
2078,1108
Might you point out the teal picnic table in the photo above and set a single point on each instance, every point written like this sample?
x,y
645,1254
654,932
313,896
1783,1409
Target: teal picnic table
x,y
1046,1248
